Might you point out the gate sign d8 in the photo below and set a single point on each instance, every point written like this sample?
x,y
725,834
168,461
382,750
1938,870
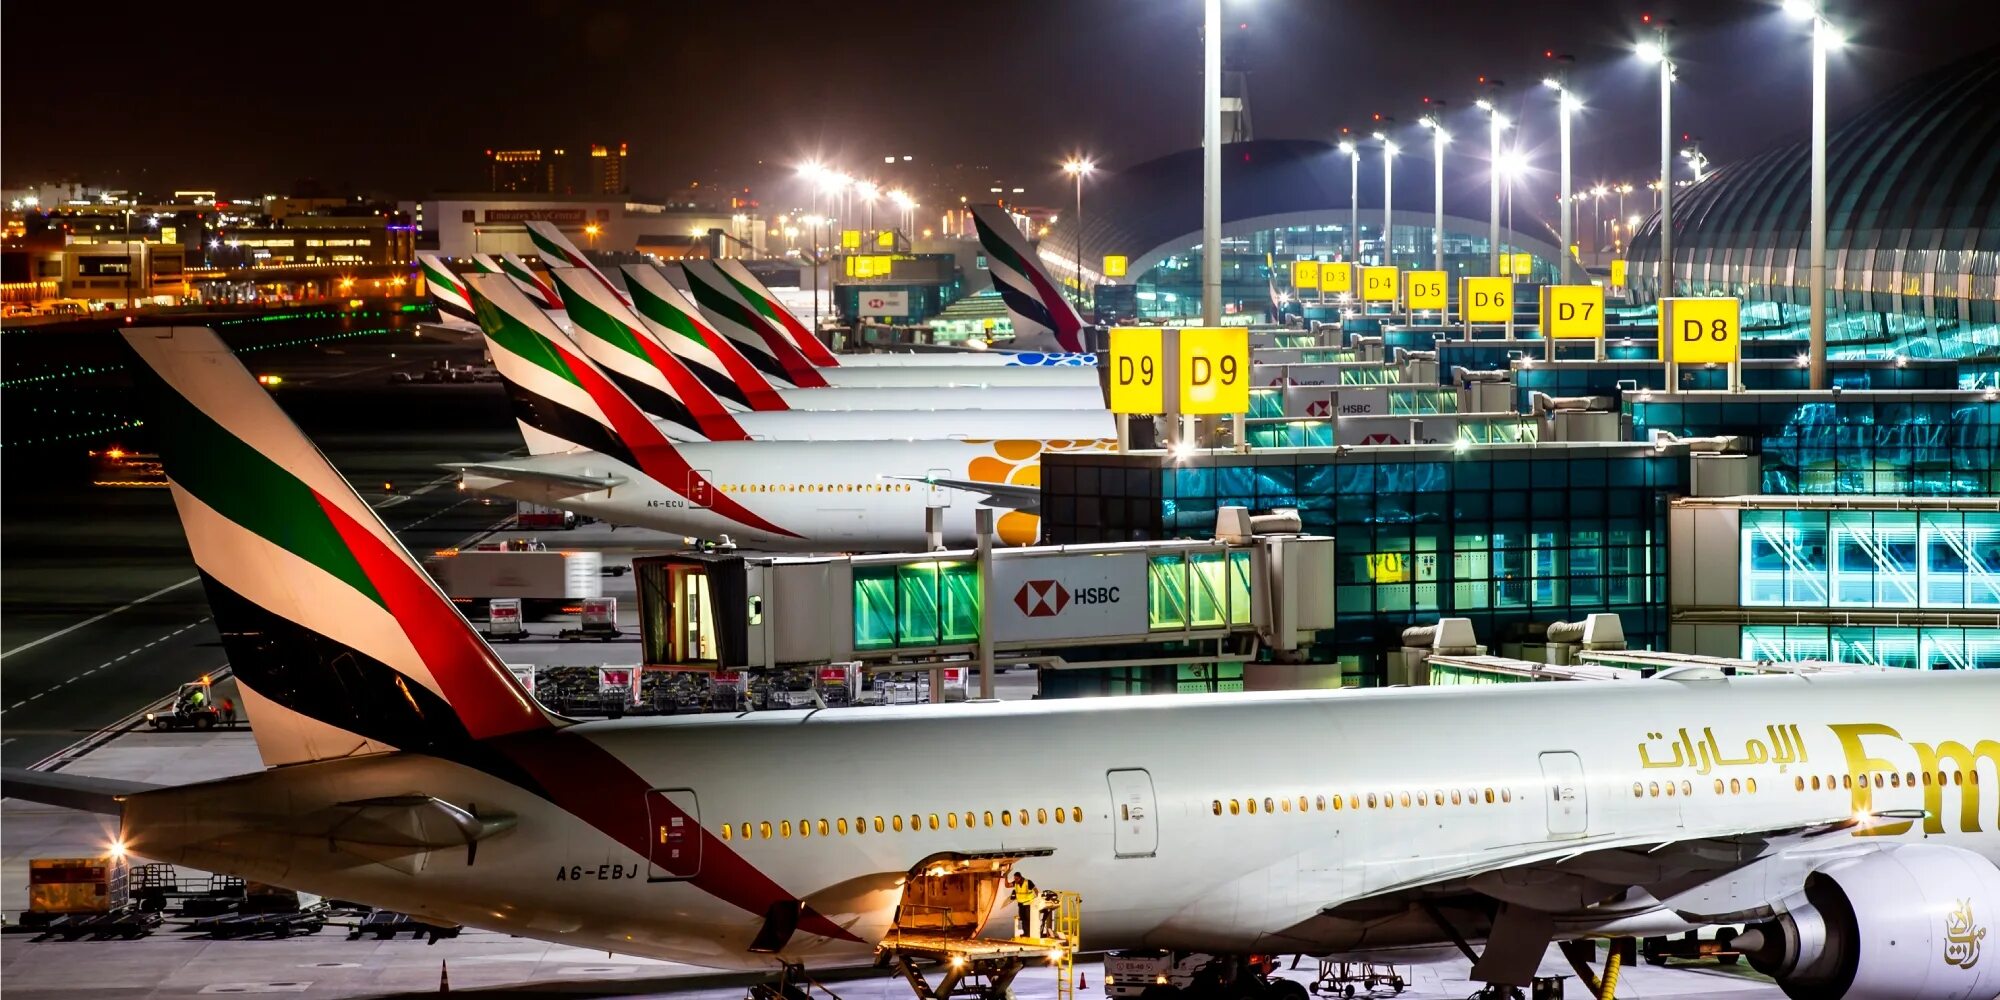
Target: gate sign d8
x,y
1138,360
1336,278
1423,291
1305,274
1378,284
1573,312
1700,331
1486,300
1214,372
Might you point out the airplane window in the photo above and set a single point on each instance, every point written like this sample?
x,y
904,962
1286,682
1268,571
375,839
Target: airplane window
x,y
1878,779
1076,814
725,831
1371,800
841,825
1638,790
1437,796
1895,780
1060,817
1006,818
1024,817
878,824
1267,805
951,820
1927,779
1302,803
1252,805
1286,804
785,828
1406,800
1975,777
805,828
1336,803
746,831
1909,779
933,821
1506,795
1489,796
1215,807
1735,787
1455,798
1687,788
896,822
971,819
1718,786
1234,807
1320,802
764,830
1653,788
1958,777
1670,789
822,828
1423,798
1042,816
989,818
1750,785
1815,782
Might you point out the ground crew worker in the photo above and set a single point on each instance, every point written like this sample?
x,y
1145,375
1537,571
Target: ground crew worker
x,y
1024,904
1050,900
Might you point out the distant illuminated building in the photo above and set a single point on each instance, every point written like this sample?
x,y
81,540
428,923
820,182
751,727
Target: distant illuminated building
x,y
607,170
528,171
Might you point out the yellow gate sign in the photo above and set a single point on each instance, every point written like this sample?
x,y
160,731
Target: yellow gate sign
x,y
886,238
1486,300
850,239
1214,371
1696,331
1305,274
1138,370
1618,272
1423,291
1114,265
1336,278
1572,312
1378,284
1524,264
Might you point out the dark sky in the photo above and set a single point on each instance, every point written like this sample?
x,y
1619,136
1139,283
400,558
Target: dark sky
x,y
402,98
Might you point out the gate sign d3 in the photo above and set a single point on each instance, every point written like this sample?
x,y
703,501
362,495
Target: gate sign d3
x,y
1336,278
1214,370
1305,274
1486,300
1573,312
1378,284
1697,331
1138,359
1423,291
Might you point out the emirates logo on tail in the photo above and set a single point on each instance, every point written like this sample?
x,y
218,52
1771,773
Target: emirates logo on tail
x,y
1042,598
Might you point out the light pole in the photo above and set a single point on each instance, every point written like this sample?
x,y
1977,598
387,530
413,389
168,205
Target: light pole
x,y
1566,103
1511,165
869,191
1079,168
1353,199
1496,124
1211,163
1697,160
1823,38
1596,219
1439,139
1655,50
1388,189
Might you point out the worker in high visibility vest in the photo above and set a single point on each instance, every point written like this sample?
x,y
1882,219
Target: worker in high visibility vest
x,y
1024,905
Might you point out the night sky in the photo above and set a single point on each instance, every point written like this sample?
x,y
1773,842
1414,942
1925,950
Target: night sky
x,y
402,98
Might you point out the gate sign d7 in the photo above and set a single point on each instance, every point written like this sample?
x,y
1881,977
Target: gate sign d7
x,y
1695,331
1486,300
1378,284
1423,291
1573,312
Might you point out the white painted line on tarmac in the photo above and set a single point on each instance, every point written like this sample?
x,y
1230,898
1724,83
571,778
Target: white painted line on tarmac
x,y
94,619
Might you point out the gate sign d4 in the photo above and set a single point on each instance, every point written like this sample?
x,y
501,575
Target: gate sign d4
x,y
1697,331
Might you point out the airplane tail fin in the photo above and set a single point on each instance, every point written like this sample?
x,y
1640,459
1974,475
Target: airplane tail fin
x,y
760,298
638,363
339,641
762,341
557,251
679,324
1043,318
446,288
525,278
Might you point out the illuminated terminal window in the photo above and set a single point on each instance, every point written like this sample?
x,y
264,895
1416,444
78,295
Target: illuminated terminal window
x,y
1925,648
1870,559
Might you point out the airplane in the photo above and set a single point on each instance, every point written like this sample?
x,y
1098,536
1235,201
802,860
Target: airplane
x,y
593,451
524,276
447,291
407,769
634,355
1043,318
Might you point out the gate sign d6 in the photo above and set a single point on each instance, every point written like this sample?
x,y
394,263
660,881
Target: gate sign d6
x,y
1336,278
1696,331
1573,312
1423,291
1486,300
1138,360
1214,370
1305,274
1378,284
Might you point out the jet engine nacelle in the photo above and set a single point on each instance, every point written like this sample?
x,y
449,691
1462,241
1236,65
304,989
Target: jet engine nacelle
x,y
1905,923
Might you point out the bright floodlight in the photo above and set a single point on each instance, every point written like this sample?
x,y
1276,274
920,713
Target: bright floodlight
x,y
1078,165
1650,51
1552,83
867,190
1598,191
1483,104
901,198
1801,9
1347,147
811,170
1379,137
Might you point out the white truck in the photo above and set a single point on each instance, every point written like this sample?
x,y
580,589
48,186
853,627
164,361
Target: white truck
x,y
546,582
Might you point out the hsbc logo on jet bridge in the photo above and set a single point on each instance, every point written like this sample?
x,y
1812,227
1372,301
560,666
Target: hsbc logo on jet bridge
x,y
1069,596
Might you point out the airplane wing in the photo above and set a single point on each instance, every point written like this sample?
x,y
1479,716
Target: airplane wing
x,y
70,791
517,473
1009,496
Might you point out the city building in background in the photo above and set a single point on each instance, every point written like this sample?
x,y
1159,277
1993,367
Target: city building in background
x,y
607,170
528,171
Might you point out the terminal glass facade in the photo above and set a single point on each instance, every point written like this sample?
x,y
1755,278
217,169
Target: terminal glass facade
x,y
931,603
1870,559
1927,648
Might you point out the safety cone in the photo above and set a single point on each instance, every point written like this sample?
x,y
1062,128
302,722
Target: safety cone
x,y
1082,981
444,977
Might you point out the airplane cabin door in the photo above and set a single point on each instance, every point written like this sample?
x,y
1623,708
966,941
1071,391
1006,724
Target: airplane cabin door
x,y
1562,781
1135,823
673,848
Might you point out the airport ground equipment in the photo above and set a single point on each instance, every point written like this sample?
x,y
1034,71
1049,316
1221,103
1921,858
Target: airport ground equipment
x,y
545,581
1350,979
193,707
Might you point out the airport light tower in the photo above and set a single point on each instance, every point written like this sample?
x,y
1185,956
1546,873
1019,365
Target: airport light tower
x,y
1655,50
1353,197
1439,139
1824,38
1496,123
1079,167
1388,190
1566,104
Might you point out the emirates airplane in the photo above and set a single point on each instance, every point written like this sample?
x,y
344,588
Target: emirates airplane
x,y
594,451
633,353
1847,819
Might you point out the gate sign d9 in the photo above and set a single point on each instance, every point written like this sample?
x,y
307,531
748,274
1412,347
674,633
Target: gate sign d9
x,y
1214,372
1378,284
1573,312
1700,331
1423,291
1138,370
1486,300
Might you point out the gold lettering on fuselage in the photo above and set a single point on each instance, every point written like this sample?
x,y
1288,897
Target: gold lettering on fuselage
x,y
1962,936
1784,746
1863,767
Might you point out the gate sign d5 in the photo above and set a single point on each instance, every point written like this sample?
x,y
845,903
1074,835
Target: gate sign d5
x,y
1695,331
1423,291
1486,300
1378,284
1573,312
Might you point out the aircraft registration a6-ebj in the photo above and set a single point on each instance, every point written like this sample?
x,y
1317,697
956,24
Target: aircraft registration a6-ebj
x,y
1847,818
594,451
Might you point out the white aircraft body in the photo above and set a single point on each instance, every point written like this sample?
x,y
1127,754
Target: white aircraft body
x,y
1848,819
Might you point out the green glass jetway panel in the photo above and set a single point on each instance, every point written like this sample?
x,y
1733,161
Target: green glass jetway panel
x,y
919,604
1197,590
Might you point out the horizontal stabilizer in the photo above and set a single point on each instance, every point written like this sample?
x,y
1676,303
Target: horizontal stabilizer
x,y
70,791
1006,496
499,470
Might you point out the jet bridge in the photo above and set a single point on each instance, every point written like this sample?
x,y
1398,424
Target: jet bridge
x,y
1057,607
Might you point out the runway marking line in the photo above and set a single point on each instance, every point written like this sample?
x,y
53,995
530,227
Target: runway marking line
x,y
94,619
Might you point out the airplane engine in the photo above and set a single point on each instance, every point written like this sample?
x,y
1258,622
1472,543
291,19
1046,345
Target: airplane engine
x,y
1905,923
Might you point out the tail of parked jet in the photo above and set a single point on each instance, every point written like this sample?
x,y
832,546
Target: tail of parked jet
x,y
447,289
638,363
713,359
565,402
760,298
340,641
1043,319
557,251
764,342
